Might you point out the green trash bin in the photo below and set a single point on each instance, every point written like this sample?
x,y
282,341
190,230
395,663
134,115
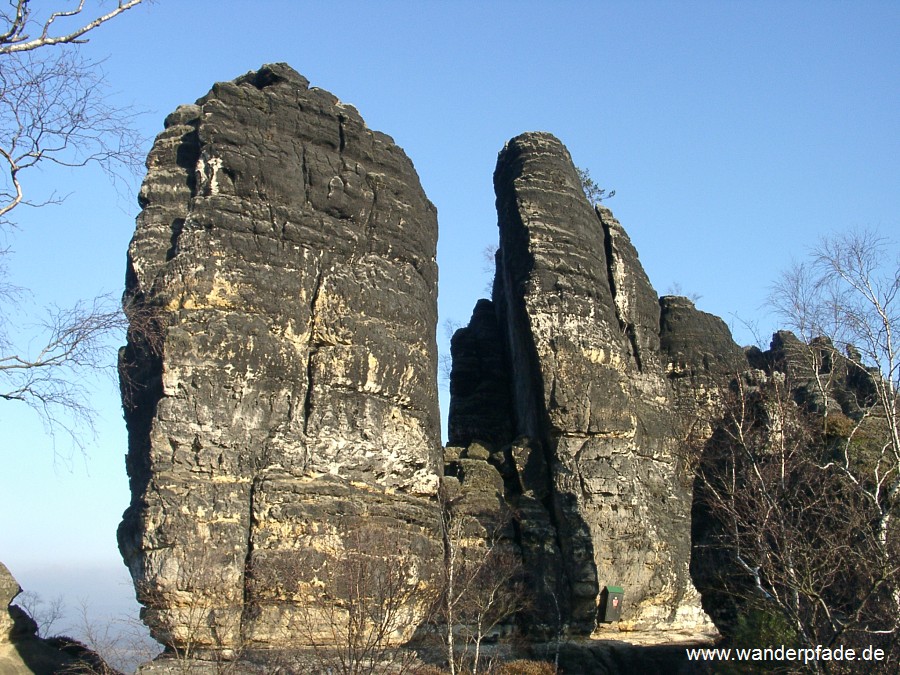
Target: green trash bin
x,y
611,600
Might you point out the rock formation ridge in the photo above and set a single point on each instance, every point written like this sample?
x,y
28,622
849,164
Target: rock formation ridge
x,y
24,652
279,380
572,372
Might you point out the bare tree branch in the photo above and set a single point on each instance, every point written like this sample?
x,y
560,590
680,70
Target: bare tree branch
x,y
50,378
55,109
15,39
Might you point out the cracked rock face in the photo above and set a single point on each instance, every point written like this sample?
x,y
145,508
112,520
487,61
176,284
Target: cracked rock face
x,y
280,374
591,412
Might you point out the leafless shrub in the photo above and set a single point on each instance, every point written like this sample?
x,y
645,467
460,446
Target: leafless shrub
x,y
360,595
108,646
46,614
801,478
445,362
798,534
675,288
482,585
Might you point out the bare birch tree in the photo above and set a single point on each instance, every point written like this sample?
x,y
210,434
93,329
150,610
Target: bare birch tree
x,y
802,475
844,305
55,110
482,585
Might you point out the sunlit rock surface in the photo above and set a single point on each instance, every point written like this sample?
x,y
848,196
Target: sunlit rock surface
x,y
569,349
279,380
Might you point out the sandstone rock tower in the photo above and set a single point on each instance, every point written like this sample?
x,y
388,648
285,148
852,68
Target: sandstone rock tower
x,y
564,373
280,372
280,376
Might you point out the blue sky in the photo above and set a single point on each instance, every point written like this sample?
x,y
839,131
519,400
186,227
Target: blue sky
x,y
734,133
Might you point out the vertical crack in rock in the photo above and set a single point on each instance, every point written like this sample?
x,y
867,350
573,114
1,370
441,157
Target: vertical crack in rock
x,y
268,265
620,302
531,455
369,226
304,171
249,605
311,351
342,140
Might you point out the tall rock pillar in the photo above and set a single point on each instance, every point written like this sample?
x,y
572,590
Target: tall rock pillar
x,y
279,380
579,325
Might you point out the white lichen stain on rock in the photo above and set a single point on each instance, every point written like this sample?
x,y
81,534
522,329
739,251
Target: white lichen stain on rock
x,y
372,384
208,174
222,295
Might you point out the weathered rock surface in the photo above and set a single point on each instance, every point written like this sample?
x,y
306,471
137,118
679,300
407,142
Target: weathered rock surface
x,y
700,357
279,379
9,589
479,382
591,435
279,382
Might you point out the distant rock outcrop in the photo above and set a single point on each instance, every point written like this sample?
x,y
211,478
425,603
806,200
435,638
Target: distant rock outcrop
x,y
279,379
569,353
700,357
479,381
808,397
23,652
